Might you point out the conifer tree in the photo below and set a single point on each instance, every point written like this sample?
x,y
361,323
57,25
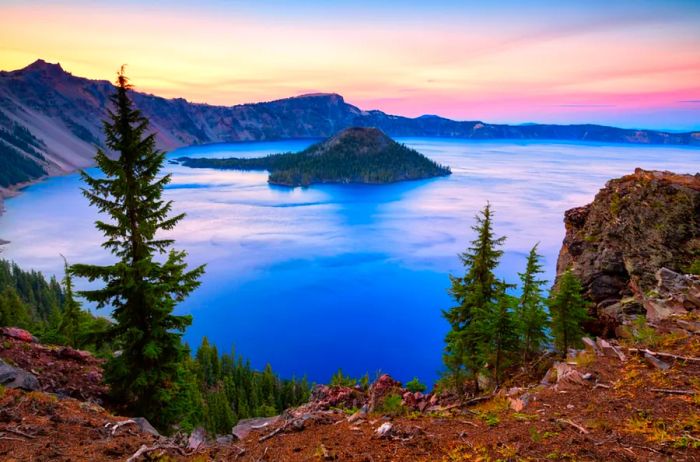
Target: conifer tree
x,y
476,294
69,326
13,311
568,310
149,278
501,333
531,316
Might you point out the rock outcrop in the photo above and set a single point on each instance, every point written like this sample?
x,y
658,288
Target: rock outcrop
x,y
636,225
14,377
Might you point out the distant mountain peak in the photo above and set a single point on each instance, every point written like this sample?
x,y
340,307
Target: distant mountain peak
x,y
334,96
43,66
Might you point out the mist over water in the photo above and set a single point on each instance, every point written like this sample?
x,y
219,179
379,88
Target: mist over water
x,y
349,276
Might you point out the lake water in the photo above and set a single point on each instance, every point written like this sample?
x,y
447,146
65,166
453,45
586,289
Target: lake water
x,y
344,276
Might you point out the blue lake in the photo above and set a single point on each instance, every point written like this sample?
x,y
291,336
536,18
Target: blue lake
x,y
347,276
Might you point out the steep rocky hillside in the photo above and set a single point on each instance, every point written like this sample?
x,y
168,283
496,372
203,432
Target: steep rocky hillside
x,y
63,114
618,244
611,402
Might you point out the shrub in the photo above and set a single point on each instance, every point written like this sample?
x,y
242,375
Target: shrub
x,y
392,405
415,386
694,267
340,380
643,334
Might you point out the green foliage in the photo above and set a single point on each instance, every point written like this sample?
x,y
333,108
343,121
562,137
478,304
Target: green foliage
x,y
416,386
29,301
228,389
13,311
347,161
531,314
340,380
69,325
15,166
392,405
694,267
500,331
644,334
43,298
568,310
141,288
476,294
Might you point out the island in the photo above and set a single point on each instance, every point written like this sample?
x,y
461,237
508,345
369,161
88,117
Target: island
x,y
354,155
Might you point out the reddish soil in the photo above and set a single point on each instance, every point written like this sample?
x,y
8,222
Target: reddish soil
x,y
614,416
60,370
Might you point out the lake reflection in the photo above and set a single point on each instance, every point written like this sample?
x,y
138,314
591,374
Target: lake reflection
x,y
341,275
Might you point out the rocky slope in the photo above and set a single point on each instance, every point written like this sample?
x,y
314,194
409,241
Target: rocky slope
x,y
612,402
637,225
354,155
64,112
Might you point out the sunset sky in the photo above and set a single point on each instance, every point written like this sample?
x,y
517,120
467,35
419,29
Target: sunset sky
x,y
628,63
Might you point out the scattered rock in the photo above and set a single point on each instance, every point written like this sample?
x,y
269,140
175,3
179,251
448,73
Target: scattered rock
x,y
563,376
77,355
197,439
14,377
609,350
655,362
359,415
245,426
384,430
145,426
590,345
675,294
324,397
224,439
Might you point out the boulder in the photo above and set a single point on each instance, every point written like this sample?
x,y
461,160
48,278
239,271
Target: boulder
x,y
197,439
14,377
324,397
380,389
245,426
563,376
76,355
145,426
18,334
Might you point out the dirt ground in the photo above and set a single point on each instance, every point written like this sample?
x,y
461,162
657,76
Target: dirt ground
x,y
624,411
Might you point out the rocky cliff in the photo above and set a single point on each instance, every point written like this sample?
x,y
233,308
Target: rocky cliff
x,y
638,224
61,115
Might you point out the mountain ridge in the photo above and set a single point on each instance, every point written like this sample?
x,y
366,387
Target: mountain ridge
x,y
64,113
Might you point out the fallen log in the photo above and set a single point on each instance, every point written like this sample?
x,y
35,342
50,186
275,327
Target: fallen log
x,y
660,354
271,434
575,425
674,392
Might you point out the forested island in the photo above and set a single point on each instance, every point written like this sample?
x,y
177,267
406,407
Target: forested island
x,y
354,155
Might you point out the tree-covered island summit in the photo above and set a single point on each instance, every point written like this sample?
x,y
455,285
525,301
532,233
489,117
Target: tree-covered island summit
x,y
354,155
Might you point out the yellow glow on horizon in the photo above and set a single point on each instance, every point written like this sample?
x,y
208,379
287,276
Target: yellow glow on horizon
x,y
230,60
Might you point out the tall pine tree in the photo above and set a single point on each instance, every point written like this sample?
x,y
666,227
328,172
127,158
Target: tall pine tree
x,y
531,316
69,326
501,334
149,278
476,294
568,310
